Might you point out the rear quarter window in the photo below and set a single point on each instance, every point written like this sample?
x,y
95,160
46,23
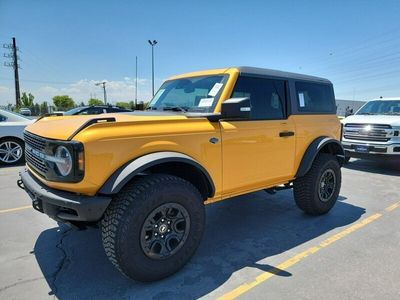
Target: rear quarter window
x,y
315,98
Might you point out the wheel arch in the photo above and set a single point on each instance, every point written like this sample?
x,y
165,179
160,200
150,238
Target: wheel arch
x,y
172,163
12,137
320,145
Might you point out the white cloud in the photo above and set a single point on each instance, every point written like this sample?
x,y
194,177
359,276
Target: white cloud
x,y
82,90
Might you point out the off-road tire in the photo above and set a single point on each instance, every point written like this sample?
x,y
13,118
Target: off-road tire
x,y
306,188
122,224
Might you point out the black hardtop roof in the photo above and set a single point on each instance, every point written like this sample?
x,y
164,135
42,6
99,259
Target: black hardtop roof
x,y
282,74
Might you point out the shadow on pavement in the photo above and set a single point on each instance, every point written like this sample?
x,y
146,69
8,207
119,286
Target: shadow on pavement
x,y
239,233
3,166
379,167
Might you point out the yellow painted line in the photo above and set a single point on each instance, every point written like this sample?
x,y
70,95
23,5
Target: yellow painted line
x,y
393,206
14,209
299,257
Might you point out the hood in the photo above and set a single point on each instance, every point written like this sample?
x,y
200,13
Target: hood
x,y
373,119
62,127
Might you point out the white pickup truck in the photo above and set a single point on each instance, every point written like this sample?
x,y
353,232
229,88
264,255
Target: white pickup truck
x,y
373,132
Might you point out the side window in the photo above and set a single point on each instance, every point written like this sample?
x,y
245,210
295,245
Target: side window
x,y
267,97
2,118
315,97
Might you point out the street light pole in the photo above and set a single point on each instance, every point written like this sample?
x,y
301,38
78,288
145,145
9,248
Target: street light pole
x,y
104,91
136,85
152,44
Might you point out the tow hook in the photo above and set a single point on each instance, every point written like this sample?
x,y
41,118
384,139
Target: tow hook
x,y
20,184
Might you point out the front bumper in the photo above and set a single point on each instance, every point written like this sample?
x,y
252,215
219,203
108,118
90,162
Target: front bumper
x,y
372,148
373,151
63,206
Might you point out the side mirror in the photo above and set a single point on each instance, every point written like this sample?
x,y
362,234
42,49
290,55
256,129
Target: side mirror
x,y
236,108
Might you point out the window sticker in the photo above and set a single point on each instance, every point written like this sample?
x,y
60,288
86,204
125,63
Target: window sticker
x,y
215,89
301,100
206,102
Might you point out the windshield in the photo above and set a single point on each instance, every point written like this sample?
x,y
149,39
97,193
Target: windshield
x,y
12,116
380,107
196,94
73,111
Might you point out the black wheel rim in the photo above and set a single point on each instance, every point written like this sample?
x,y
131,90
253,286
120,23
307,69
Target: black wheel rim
x,y
327,185
165,231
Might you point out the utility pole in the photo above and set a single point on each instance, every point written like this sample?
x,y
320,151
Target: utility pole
x,y
152,44
136,85
14,64
104,91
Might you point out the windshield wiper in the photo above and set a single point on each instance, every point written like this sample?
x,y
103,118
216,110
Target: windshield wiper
x,y
365,113
176,108
392,113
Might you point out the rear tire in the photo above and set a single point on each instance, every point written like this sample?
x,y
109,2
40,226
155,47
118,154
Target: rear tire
x,y
317,191
153,227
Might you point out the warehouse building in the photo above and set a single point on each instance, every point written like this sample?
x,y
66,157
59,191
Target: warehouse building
x,y
341,106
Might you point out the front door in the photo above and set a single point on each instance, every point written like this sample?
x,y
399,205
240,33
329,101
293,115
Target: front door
x,y
258,152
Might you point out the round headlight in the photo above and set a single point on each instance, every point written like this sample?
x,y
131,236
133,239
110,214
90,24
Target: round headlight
x,y
64,160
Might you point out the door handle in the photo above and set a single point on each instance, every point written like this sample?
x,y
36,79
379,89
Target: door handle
x,y
286,133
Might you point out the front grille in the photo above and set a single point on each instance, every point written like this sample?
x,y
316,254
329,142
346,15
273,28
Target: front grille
x,y
35,162
367,132
35,141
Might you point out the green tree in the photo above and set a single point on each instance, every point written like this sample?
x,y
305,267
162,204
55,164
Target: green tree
x,y
35,109
127,105
94,101
27,100
44,108
63,102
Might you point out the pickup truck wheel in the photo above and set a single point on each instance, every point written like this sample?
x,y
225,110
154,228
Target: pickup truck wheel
x,y
153,227
316,192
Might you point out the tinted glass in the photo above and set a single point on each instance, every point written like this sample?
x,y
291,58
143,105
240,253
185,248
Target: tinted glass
x,y
267,97
92,111
74,111
2,118
315,97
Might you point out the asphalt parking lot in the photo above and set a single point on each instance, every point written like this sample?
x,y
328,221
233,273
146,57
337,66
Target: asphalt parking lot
x,y
256,246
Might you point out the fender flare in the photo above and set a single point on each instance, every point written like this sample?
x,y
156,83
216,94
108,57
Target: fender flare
x,y
125,173
314,148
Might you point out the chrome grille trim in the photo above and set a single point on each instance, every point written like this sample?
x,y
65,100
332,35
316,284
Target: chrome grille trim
x,y
368,132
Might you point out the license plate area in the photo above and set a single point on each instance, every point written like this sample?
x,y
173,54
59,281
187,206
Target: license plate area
x,y
361,148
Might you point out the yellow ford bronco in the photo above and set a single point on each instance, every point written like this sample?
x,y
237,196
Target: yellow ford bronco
x,y
206,136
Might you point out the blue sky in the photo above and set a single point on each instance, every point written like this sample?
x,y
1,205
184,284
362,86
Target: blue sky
x,y
66,46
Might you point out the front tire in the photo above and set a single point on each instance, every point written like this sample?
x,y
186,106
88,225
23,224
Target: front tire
x,y
317,191
153,227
